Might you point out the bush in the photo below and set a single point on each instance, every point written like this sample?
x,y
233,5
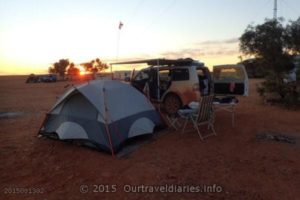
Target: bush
x,y
274,89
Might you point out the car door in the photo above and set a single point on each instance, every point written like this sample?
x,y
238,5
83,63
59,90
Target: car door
x,y
164,80
146,81
230,80
205,81
140,79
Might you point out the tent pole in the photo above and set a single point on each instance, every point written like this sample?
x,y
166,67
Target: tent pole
x,y
45,118
106,124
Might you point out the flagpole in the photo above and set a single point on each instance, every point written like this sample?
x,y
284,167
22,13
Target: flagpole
x,y
118,45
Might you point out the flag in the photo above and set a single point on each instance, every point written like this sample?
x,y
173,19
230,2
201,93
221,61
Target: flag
x,y
120,25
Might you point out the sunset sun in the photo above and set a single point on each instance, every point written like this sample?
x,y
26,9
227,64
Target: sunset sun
x,y
81,71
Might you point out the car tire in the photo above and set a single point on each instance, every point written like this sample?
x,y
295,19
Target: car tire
x,y
172,104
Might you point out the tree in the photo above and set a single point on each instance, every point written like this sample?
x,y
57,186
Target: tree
x,y
95,66
51,70
60,67
254,68
268,42
63,64
100,65
73,71
87,66
272,44
293,36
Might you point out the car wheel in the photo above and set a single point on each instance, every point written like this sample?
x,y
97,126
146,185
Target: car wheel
x,y
172,104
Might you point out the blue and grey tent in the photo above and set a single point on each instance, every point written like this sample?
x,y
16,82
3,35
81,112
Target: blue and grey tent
x,y
103,112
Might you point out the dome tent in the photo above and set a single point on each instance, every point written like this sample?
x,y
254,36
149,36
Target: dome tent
x,y
103,112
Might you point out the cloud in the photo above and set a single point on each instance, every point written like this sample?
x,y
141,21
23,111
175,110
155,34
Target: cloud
x,y
214,42
207,50
198,52
232,40
183,53
211,48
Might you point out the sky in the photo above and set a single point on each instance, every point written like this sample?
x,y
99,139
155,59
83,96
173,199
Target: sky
x,y
36,33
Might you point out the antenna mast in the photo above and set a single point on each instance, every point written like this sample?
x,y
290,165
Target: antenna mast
x,y
275,10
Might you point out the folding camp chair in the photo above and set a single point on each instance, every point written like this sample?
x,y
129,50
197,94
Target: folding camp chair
x,y
204,115
171,120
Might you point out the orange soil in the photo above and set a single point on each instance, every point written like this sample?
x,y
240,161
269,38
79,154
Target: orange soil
x,y
244,167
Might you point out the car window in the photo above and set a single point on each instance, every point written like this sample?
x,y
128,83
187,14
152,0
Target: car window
x,y
180,74
164,75
229,74
142,75
200,72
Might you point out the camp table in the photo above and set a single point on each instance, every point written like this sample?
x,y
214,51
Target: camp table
x,y
220,106
228,107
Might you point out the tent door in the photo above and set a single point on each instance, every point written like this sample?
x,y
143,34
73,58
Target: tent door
x,y
230,80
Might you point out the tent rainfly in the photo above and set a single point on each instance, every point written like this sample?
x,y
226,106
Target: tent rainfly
x,y
103,112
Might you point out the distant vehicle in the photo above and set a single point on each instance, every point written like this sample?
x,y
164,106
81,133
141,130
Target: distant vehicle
x,y
176,83
48,78
41,78
291,76
127,79
32,79
122,75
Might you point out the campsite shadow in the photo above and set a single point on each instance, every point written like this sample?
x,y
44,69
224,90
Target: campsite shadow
x,y
125,149
76,143
132,144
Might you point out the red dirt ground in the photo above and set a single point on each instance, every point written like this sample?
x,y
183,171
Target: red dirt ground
x,y
235,160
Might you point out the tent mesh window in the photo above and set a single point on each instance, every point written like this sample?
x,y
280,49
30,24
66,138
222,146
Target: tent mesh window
x,y
80,107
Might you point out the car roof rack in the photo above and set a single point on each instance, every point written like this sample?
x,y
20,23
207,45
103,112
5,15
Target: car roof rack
x,y
163,61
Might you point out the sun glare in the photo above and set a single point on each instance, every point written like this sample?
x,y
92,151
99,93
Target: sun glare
x,y
81,71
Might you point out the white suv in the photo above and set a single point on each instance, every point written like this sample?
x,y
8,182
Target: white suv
x,y
174,83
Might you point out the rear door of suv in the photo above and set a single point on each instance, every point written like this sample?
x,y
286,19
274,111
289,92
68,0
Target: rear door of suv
x,y
230,80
